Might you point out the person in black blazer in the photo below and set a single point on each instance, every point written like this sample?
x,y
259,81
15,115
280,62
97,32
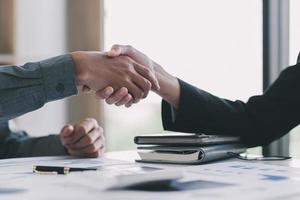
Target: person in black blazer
x,y
261,120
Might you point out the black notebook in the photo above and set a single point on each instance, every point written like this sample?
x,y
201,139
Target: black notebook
x,y
186,148
188,155
183,139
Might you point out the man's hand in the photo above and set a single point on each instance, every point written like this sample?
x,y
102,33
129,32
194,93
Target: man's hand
x,y
120,97
94,70
83,139
169,85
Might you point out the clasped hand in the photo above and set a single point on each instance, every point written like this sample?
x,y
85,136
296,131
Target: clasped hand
x,y
114,73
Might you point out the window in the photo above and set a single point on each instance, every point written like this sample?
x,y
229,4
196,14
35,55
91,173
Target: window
x,y
215,45
294,50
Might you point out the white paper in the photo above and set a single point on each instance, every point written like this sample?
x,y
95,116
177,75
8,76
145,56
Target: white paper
x,y
223,180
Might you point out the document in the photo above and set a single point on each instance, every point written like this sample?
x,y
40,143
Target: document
x,y
223,180
245,180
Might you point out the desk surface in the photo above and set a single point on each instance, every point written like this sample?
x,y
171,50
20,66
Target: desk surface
x,y
230,179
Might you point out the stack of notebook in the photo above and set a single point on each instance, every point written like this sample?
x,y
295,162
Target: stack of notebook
x,y
186,148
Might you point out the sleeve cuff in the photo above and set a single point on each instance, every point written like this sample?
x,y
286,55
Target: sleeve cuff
x,y
59,77
167,118
183,118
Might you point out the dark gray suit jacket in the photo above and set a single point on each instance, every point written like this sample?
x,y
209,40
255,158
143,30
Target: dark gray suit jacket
x,y
26,88
261,120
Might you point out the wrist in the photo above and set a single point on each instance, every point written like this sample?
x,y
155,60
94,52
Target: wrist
x,y
81,72
169,86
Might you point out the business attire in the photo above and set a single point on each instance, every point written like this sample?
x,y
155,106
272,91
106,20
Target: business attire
x,y
259,121
27,88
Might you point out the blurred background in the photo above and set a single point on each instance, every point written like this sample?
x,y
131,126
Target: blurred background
x,y
217,45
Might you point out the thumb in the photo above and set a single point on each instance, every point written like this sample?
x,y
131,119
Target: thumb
x,y
67,131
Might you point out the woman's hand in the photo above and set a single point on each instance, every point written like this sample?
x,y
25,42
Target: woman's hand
x,y
167,87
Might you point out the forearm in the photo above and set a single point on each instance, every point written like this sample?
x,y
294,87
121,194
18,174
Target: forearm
x,y
169,86
28,87
19,144
198,110
259,121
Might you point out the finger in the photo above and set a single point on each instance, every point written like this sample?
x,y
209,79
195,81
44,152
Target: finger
x,y
117,50
130,51
117,96
90,138
148,74
129,104
83,129
125,100
95,150
142,83
105,93
67,130
66,134
97,145
135,91
98,153
138,57
74,152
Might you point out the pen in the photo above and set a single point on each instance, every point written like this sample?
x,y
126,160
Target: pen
x,y
58,170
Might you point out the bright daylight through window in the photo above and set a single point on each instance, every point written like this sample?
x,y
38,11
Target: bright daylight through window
x,y
215,45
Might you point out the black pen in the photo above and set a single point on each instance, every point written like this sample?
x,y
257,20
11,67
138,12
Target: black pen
x,y
59,170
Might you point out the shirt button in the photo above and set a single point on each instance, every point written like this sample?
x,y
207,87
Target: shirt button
x,y
60,87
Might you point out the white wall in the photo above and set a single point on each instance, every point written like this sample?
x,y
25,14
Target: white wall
x,y
40,34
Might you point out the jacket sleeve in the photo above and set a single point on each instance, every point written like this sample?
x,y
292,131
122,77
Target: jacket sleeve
x,y
19,144
259,121
28,87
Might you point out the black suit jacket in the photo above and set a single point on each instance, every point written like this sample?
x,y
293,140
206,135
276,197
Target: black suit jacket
x,y
259,121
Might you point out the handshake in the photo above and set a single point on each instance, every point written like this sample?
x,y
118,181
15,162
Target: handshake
x,y
123,76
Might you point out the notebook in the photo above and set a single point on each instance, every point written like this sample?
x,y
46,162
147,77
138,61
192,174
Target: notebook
x,y
188,155
183,139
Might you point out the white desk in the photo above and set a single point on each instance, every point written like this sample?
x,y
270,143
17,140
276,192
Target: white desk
x,y
276,180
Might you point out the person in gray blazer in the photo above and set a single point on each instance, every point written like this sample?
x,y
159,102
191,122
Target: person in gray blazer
x,y
185,108
28,87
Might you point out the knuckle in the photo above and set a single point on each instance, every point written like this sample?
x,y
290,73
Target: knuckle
x,y
129,47
126,60
147,71
100,129
127,81
115,46
89,140
91,120
127,67
92,148
94,121
148,85
82,129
